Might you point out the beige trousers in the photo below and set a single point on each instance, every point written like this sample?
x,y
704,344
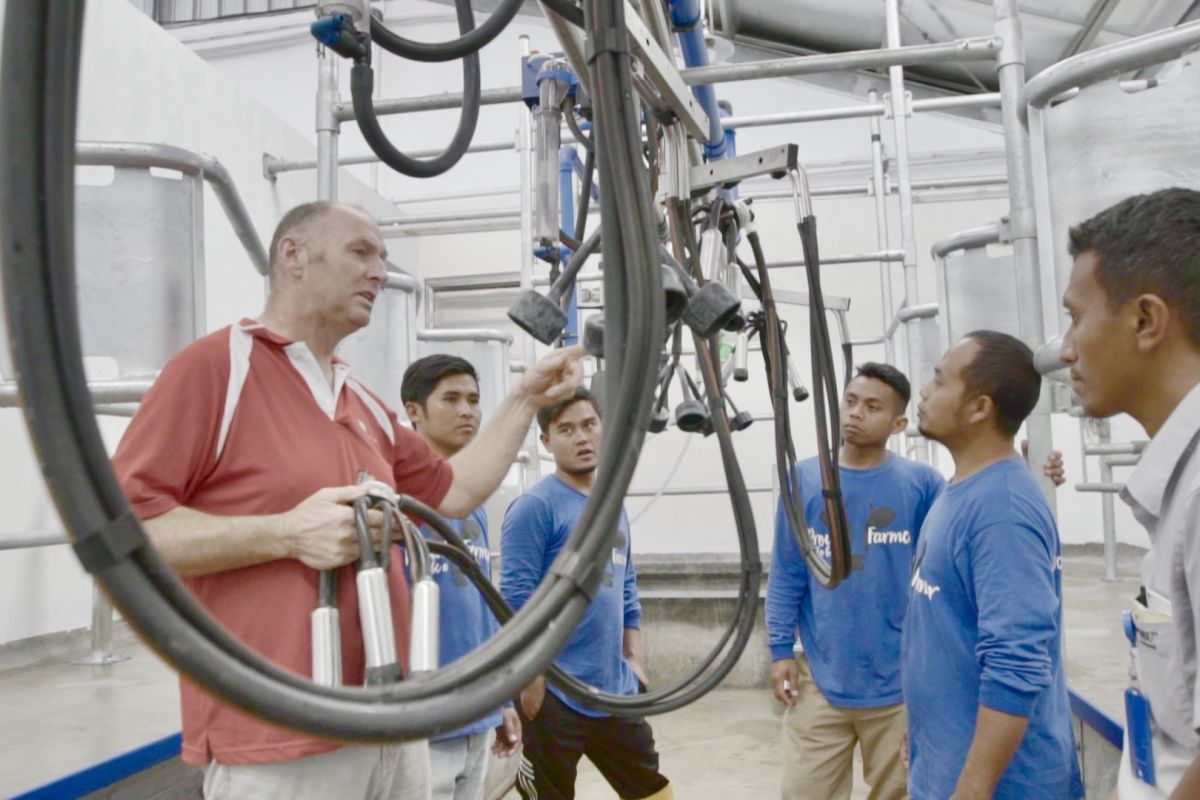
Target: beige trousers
x,y
819,740
354,772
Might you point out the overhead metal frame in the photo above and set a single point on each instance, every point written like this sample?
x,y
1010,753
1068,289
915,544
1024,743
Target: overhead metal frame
x,y
1015,99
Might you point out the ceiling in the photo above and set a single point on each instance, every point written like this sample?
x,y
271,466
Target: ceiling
x,y
1053,29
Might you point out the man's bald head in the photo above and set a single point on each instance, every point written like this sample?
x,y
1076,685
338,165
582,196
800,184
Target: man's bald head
x,y
304,223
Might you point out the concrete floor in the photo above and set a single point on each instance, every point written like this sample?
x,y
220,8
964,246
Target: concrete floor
x,y
60,717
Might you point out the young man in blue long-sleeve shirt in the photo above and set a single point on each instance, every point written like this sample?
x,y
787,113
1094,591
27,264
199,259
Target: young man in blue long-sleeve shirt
x,y
441,397
983,674
605,650
844,689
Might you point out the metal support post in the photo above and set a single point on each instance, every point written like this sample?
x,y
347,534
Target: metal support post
x,y
102,632
881,231
1022,222
530,470
566,192
908,239
327,125
1107,508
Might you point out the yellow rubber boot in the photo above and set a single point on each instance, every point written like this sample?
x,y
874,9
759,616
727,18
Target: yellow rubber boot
x,y
665,793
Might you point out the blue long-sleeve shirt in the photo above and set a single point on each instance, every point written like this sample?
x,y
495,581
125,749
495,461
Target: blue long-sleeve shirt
x,y
984,627
535,528
851,634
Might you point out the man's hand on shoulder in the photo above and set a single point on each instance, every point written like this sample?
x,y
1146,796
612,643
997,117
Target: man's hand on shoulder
x,y
320,530
785,673
1053,468
554,377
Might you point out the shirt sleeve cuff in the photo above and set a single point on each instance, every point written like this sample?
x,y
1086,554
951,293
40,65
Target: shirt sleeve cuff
x,y
633,621
997,696
781,652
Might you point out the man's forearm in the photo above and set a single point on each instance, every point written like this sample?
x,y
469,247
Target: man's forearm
x,y
997,737
1189,785
481,465
195,543
631,644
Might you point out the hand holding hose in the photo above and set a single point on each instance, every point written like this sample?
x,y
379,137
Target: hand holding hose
x,y
320,530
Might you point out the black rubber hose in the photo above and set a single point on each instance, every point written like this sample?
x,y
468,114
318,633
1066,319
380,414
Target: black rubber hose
x,y
700,681
468,44
327,588
567,10
39,73
367,557
825,397
362,87
585,193
828,573
568,110
562,285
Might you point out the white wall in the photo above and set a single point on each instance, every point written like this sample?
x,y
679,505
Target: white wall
x,y
140,84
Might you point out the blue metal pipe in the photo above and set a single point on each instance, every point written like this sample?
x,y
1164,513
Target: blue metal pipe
x,y
577,162
685,16
567,159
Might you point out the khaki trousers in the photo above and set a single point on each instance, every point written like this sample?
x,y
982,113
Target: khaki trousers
x,y
355,772
819,740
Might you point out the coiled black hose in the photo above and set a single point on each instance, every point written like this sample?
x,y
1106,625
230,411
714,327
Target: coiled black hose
x,y
39,67
469,43
362,87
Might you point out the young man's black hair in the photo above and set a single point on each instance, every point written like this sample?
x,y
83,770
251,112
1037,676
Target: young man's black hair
x,y
1148,244
547,415
888,374
1003,370
424,374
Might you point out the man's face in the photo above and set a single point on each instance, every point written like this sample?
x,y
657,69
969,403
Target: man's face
x,y
346,268
871,412
1100,344
451,414
940,414
574,439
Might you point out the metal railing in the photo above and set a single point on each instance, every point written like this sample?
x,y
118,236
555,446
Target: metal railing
x,y
178,12
189,162
1110,61
108,395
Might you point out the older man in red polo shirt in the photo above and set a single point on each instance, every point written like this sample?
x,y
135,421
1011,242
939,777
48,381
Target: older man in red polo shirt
x,y
242,462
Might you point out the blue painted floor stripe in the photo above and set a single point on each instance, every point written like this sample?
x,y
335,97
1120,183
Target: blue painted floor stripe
x,y
106,773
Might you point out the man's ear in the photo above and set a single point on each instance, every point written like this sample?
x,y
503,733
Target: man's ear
x,y
291,256
980,409
899,425
1151,320
413,409
545,437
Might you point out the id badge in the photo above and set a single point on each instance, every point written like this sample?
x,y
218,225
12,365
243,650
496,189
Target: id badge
x,y
1141,735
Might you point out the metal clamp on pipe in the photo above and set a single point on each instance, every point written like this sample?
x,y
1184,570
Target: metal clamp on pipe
x,y
327,633
426,603
555,82
374,602
741,356
691,415
542,316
